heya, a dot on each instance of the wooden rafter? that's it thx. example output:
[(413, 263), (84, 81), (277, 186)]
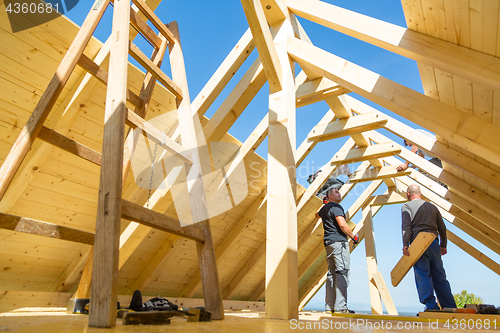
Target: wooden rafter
[(264, 42), (457, 60), (460, 127)]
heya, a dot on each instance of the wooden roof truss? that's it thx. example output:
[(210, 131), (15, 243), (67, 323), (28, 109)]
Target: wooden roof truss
[(282, 258)]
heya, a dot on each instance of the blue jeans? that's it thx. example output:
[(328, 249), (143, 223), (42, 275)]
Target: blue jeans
[(337, 279), (430, 277)]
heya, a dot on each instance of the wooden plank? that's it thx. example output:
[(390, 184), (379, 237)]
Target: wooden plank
[(364, 154), (19, 150), (146, 10), (199, 210), (388, 199), (433, 316), (102, 75), (34, 227), (454, 59), (160, 138), (416, 249), (344, 127), (71, 146), (143, 27), (371, 260), (223, 74), (275, 11), (318, 90), (83, 290), (281, 235), (134, 212), (463, 129), (384, 293), (105, 269), (141, 58), (436, 148), (264, 43), (378, 173), (479, 256)]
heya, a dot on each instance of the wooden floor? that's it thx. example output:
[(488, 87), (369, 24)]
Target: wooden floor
[(56, 320)]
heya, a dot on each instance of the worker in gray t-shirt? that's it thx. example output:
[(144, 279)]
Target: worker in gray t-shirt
[(421, 216)]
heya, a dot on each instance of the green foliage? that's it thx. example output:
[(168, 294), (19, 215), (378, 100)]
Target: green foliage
[(466, 298)]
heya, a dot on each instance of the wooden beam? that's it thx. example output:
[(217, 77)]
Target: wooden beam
[(30, 131), (318, 90), (105, 269), (197, 200), (388, 199), (457, 126), (371, 260), (457, 60), (479, 256), (35, 227), (445, 153), (143, 27), (416, 249), (223, 74), (379, 173), (134, 212), (281, 235), (363, 154), (344, 127), (160, 138), (144, 8), (275, 11), (141, 58), (378, 280), (69, 145), (102, 75), (479, 198), (264, 43)]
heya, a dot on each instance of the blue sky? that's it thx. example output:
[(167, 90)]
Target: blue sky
[(209, 30)]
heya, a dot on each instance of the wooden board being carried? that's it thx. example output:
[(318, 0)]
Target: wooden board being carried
[(416, 249)]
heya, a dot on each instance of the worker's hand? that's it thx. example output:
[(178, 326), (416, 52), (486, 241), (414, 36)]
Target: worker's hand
[(405, 251), (355, 240), (401, 167), (443, 251)]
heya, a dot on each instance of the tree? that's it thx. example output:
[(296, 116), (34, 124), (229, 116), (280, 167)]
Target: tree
[(466, 298)]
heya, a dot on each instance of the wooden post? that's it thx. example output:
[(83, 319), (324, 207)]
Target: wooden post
[(105, 271), (371, 260), (281, 254), (199, 210)]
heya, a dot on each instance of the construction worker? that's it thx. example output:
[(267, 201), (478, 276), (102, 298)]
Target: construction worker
[(419, 216), (333, 181), (337, 251), (416, 150)]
